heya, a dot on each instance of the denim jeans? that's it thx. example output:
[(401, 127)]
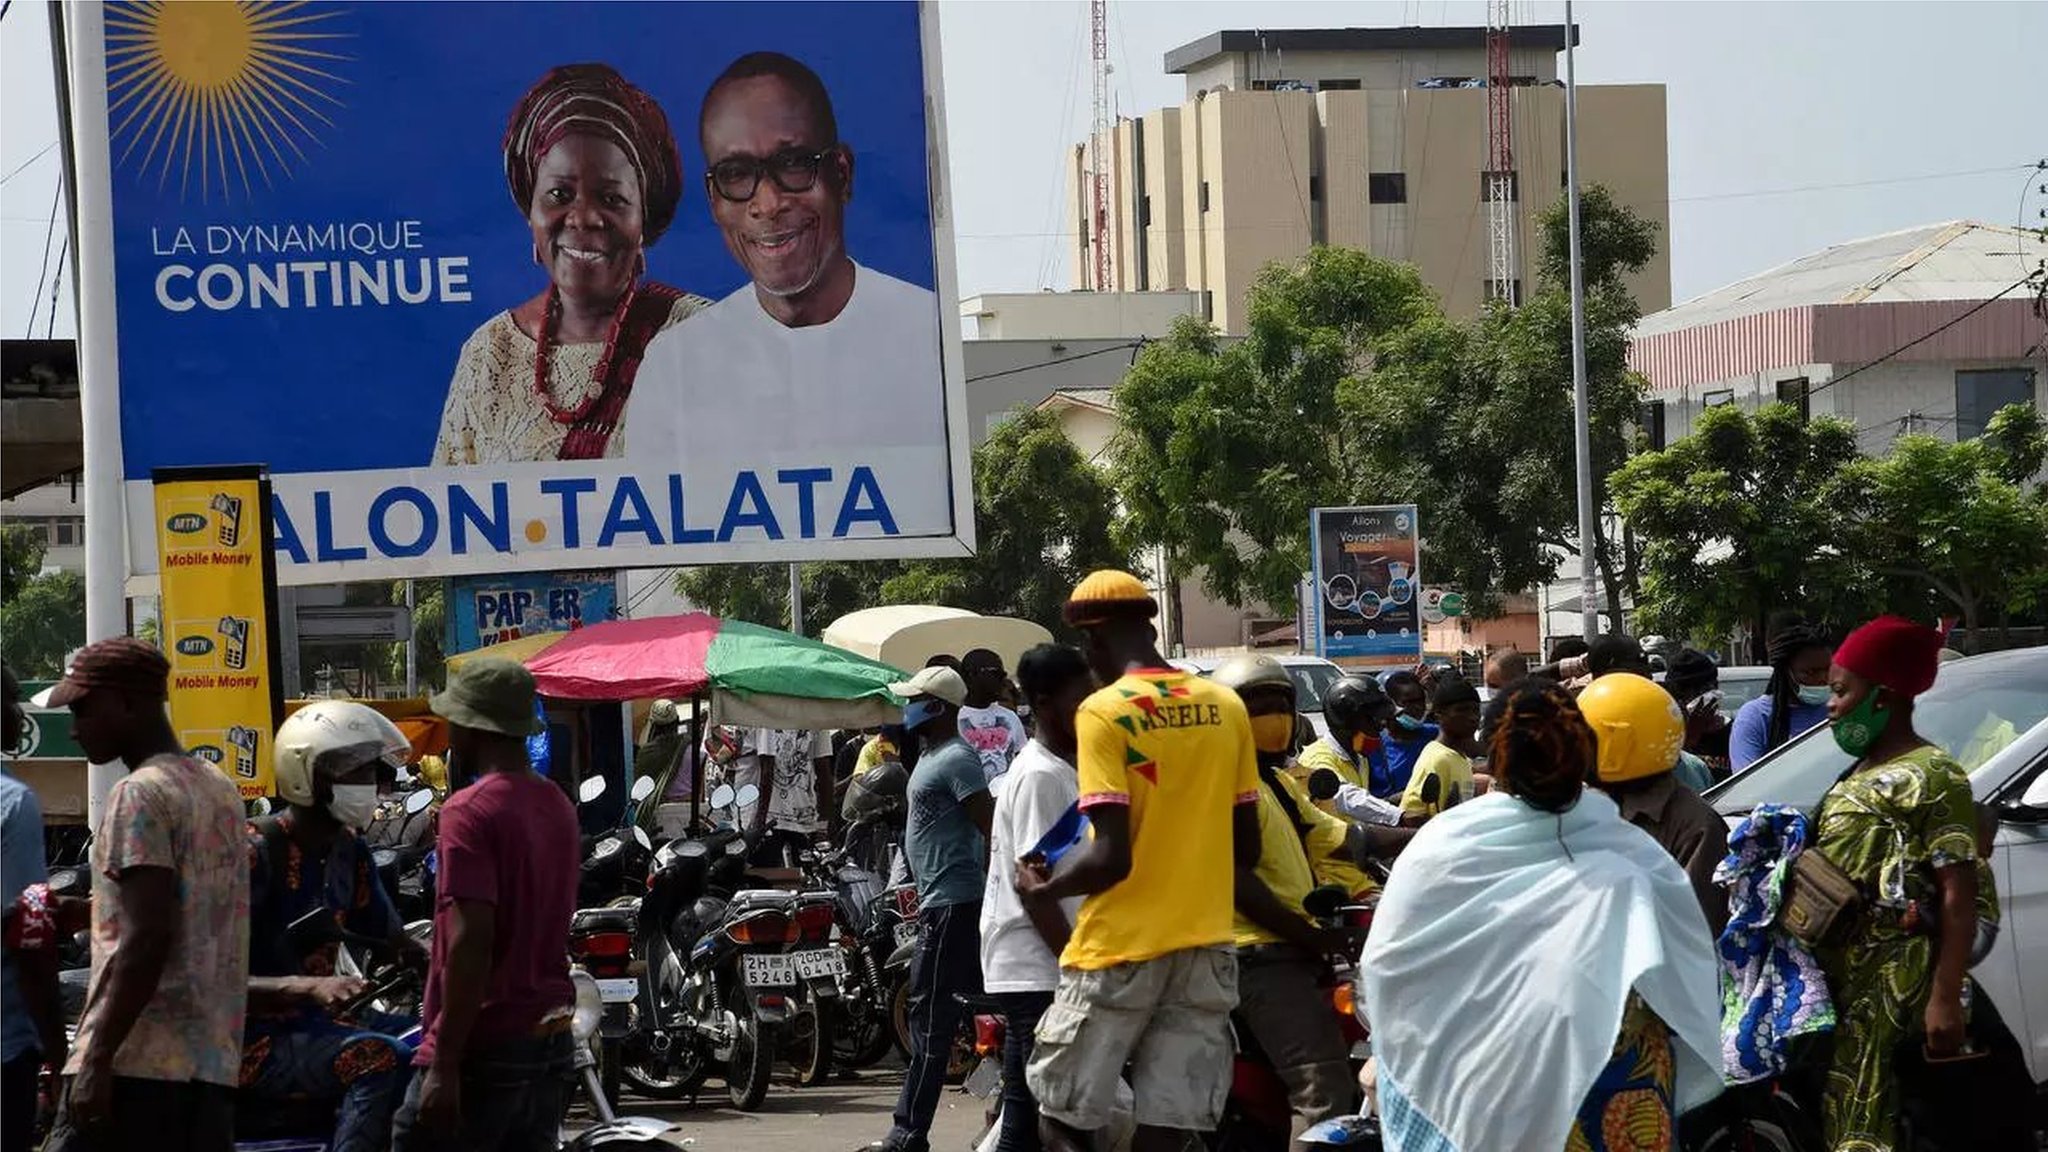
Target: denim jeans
[(948, 964), (513, 1096), (1021, 1011), (363, 1072)]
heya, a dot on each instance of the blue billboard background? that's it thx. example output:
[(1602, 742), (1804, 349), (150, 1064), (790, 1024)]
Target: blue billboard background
[(406, 124), (486, 610)]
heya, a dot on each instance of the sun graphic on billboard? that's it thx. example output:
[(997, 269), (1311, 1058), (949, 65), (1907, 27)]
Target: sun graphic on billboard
[(220, 95)]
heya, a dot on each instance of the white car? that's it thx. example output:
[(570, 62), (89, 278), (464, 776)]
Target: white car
[(1312, 676), (1990, 713)]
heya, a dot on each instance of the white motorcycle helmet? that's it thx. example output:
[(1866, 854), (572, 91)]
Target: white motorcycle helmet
[(334, 736)]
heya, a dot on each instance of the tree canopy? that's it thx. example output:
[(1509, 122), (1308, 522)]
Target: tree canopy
[(42, 614)]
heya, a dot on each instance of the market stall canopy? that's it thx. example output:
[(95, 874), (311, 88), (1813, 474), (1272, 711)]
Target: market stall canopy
[(907, 635), (754, 676), (518, 651)]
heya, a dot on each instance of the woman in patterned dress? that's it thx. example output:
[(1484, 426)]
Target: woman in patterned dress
[(593, 167), (1903, 825)]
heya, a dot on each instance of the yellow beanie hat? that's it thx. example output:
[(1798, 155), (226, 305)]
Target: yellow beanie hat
[(1108, 594)]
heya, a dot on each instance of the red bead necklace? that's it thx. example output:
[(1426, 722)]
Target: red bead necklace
[(544, 346)]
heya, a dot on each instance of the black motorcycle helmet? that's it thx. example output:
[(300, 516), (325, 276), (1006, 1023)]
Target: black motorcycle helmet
[(1355, 704)]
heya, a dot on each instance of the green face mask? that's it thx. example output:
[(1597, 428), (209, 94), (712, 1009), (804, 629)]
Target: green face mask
[(1857, 731)]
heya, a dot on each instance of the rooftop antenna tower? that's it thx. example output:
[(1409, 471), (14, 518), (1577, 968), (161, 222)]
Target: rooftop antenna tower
[(1101, 142), (1500, 158)]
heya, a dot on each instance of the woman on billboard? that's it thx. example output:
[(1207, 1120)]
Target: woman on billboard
[(593, 165)]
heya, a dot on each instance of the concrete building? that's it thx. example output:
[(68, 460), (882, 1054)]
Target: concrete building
[(1928, 330), (1371, 138), (1023, 347), (56, 514)]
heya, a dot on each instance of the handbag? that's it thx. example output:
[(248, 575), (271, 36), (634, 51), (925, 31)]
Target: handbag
[(1822, 904)]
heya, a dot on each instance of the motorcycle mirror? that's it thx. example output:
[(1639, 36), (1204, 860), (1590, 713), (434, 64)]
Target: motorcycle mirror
[(260, 806), (721, 796), (418, 800), (591, 788), (643, 787), (736, 847), (747, 795), (640, 838), (1323, 784)]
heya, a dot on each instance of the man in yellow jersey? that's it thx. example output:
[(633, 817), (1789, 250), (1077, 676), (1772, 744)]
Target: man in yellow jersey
[(1443, 773), (1281, 955), (1169, 782)]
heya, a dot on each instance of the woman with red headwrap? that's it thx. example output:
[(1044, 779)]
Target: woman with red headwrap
[(1902, 824), (593, 167)]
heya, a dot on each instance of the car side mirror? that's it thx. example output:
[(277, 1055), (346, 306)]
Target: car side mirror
[(1323, 784), (2030, 807)]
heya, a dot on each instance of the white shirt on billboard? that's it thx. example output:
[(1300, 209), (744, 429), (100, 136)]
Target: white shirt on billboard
[(733, 384)]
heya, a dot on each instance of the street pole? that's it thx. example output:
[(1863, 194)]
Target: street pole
[(78, 44), (796, 600), (1582, 428), (412, 646)]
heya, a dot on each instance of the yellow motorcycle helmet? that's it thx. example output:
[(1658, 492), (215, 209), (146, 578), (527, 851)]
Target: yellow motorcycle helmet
[(1640, 729)]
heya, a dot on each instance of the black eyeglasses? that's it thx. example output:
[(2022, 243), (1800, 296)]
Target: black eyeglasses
[(792, 170)]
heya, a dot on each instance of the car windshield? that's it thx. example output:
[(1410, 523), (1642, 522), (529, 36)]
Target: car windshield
[(1975, 708), (1740, 688), (1310, 682)]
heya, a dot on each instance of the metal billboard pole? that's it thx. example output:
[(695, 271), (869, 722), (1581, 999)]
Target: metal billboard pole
[(1582, 429)]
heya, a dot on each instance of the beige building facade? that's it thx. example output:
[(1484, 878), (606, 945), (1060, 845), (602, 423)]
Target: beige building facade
[(1371, 138)]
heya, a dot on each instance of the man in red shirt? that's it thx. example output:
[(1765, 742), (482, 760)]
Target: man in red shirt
[(496, 1056)]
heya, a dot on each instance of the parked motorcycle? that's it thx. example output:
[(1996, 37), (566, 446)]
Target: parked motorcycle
[(866, 917), (624, 1133), (615, 860)]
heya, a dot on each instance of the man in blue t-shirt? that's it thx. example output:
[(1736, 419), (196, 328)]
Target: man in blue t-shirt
[(1408, 735), (950, 811)]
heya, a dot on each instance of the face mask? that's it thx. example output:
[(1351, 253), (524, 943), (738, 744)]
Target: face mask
[(1812, 695), (354, 805), (1857, 731), (1363, 744), (1273, 733), (1407, 723)]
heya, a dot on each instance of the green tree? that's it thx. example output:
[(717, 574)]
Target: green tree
[(1955, 529), (42, 614), (1737, 521), (1045, 518), (1353, 387)]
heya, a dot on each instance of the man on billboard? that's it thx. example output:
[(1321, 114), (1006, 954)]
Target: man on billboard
[(817, 351)]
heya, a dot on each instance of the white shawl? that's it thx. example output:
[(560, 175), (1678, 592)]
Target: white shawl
[(1498, 967)]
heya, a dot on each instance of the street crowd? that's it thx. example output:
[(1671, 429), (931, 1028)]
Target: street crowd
[(1567, 949)]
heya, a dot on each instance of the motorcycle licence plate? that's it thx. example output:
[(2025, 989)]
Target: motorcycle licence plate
[(619, 991), (762, 970), (906, 934), (818, 965)]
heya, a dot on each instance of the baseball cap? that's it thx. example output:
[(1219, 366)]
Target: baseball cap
[(123, 664), (940, 683), (490, 695)]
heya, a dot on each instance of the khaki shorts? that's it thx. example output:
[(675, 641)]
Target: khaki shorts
[(1168, 1018)]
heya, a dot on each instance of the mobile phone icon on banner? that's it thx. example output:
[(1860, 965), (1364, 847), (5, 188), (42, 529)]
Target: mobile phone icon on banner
[(227, 519), (243, 740), (235, 631)]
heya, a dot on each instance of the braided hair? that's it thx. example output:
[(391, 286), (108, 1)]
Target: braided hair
[(1543, 749), (1790, 636)]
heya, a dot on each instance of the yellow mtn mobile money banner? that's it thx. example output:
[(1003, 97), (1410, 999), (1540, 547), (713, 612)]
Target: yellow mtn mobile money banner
[(219, 588)]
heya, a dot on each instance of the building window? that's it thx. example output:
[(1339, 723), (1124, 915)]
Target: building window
[(1510, 291), (67, 533), (1651, 421), (1981, 393), (1341, 85), (1144, 211), (1717, 398), (1486, 187), (1794, 392), (1203, 198), (1387, 187), (1315, 188)]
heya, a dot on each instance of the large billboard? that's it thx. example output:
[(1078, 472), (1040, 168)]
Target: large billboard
[(503, 287), (1368, 583)]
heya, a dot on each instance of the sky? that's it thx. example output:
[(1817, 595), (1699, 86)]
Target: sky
[(1792, 126)]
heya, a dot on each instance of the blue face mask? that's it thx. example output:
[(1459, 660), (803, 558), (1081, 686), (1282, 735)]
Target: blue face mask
[(1813, 695), (1407, 723)]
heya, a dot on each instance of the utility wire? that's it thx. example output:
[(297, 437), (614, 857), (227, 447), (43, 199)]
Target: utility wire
[(1124, 347), (1917, 340), (46, 150), (49, 233)]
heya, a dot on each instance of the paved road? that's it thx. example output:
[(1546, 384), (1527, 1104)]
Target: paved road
[(841, 1115)]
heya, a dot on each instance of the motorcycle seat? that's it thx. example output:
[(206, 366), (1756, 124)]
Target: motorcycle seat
[(750, 899), (599, 919)]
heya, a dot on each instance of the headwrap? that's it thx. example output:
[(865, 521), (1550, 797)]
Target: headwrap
[(1895, 652), (595, 100)]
